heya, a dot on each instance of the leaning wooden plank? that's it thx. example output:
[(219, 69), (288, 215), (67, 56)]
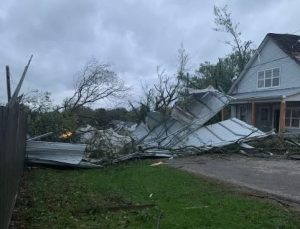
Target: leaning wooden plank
[(8, 83), (16, 93)]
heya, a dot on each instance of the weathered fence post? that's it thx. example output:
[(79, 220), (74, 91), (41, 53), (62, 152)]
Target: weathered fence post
[(12, 155)]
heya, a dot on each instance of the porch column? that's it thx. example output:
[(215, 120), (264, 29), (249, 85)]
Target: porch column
[(222, 114), (282, 116), (253, 114)]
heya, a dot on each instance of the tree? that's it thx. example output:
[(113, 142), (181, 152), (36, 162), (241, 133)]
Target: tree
[(54, 121), (165, 91), (43, 117), (96, 82), (221, 74), (242, 49), (168, 88), (37, 101)]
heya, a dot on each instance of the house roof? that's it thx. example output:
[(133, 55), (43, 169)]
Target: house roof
[(265, 95), (288, 43)]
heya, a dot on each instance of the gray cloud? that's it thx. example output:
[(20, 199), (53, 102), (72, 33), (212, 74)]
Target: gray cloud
[(134, 36)]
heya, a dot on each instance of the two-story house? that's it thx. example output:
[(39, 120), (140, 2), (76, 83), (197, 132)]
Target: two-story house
[(267, 92)]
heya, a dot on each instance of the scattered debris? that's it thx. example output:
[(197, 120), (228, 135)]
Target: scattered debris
[(55, 153), (40, 136), (246, 146), (195, 207), (157, 163), (181, 132), (294, 156), (184, 131), (122, 127), (139, 155), (105, 144)]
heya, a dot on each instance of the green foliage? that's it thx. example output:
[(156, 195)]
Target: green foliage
[(98, 199), (37, 101), (222, 74), (104, 117), (57, 122), (219, 75), (43, 118)]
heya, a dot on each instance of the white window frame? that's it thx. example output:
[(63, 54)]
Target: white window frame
[(272, 77), (290, 118)]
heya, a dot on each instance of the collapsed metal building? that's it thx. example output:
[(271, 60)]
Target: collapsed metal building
[(184, 130), (185, 127)]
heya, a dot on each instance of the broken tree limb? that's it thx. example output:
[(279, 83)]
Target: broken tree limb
[(39, 136), (16, 93)]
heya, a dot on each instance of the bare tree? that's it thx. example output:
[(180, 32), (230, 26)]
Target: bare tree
[(162, 95), (96, 82), (165, 91)]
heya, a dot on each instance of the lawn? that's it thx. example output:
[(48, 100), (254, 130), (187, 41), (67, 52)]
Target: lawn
[(136, 195)]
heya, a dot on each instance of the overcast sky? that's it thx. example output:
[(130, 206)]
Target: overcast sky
[(134, 36)]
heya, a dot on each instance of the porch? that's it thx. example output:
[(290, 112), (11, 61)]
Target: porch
[(281, 116)]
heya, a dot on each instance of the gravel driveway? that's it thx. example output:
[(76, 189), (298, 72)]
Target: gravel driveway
[(280, 178)]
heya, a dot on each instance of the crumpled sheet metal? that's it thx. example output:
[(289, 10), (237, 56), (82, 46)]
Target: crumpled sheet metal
[(221, 134), (55, 153), (206, 104), (216, 135), (185, 128), (171, 130)]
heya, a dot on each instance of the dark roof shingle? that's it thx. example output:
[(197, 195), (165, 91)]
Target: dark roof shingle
[(289, 43)]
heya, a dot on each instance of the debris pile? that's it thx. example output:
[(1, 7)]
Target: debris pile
[(102, 143), (183, 131)]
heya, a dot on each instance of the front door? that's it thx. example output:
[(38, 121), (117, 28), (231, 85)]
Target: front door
[(276, 119)]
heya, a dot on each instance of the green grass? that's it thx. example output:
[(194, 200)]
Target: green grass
[(88, 199)]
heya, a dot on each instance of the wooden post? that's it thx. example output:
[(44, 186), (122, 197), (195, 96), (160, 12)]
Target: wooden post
[(8, 83), (282, 116), (18, 88), (222, 114), (253, 114)]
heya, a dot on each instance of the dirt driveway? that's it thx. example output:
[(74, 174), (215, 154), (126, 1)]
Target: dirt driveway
[(280, 178)]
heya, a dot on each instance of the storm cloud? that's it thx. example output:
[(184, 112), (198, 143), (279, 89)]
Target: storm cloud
[(134, 36)]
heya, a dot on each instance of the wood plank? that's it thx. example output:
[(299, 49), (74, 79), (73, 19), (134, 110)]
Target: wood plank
[(282, 116), (253, 114)]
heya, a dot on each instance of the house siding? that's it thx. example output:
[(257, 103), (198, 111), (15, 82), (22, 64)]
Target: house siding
[(271, 56)]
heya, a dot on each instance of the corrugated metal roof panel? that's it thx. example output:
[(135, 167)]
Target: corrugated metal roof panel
[(222, 133), (206, 104), (55, 152)]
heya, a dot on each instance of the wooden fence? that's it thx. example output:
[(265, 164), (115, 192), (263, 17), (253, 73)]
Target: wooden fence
[(12, 154)]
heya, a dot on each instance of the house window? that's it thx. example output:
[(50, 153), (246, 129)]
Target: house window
[(268, 78), (292, 118)]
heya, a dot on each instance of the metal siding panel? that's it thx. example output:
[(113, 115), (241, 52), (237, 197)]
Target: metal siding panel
[(67, 153)]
